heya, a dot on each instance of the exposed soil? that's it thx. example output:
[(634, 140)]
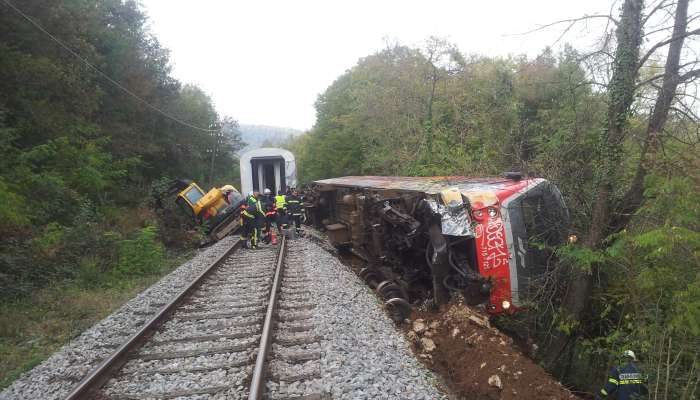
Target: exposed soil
[(476, 360)]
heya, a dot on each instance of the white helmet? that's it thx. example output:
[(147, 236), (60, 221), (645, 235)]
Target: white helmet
[(267, 191), (630, 354), (227, 188), (250, 193)]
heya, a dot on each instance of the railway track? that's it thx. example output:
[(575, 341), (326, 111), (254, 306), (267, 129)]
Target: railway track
[(241, 330)]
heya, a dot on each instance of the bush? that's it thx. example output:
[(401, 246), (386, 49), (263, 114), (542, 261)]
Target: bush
[(142, 255)]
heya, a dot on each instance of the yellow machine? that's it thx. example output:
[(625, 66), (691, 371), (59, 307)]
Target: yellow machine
[(212, 209)]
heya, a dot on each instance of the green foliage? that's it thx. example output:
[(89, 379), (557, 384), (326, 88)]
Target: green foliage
[(485, 116), (78, 152), (12, 213), (141, 255), (651, 275), (580, 257)]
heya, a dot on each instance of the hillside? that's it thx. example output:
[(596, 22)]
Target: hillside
[(255, 136)]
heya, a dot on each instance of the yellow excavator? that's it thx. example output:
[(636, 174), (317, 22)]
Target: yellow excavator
[(217, 210)]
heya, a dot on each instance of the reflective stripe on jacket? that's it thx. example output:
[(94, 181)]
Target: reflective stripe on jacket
[(626, 382), (294, 205)]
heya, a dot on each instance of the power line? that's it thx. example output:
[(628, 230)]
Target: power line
[(112, 81)]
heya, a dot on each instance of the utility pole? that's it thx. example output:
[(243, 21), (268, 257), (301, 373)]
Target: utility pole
[(215, 149)]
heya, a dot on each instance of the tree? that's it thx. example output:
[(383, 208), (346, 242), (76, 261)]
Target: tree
[(609, 214)]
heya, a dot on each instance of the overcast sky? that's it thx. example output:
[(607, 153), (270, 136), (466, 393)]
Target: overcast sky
[(265, 62)]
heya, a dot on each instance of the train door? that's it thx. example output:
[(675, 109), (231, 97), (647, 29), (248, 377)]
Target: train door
[(268, 173)]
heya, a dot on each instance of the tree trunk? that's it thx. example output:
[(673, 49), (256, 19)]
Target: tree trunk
[(635, 195), (609, 152)]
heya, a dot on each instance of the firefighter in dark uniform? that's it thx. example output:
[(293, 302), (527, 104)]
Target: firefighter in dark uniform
[(294, 209), (626, 382), (259, 213), (268, 203), (249, 232)]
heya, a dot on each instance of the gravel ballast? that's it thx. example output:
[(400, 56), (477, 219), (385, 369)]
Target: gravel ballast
[(54, 378), (363, 354)]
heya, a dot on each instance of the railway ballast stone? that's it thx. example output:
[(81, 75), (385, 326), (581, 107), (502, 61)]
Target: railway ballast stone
[(364, 356), (54, 378)]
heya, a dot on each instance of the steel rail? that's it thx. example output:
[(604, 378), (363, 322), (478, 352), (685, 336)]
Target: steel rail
[(119, 357), (257, 383)]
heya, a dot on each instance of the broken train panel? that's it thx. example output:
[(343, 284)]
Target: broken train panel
[(489, 238)]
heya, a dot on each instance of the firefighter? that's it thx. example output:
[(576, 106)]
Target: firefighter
[(248, 210), (259, 213), (268, 203), (625, 381), (294, 209), (281, 204)]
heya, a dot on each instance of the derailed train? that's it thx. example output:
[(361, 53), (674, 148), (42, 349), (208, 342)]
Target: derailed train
[(489, 238)]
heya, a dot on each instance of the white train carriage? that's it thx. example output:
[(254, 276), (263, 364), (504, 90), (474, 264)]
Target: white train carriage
[(267, 167)]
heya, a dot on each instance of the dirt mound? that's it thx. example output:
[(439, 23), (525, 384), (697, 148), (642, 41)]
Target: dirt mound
[(476, 360)]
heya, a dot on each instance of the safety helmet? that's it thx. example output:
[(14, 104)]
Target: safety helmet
[(267, 191), (250, 193), (630, 354), (227, 188)]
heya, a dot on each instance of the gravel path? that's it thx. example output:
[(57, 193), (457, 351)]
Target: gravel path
[(363, 355), (54, 378)]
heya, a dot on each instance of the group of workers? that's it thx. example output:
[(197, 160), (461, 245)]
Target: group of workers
[(261, 211)]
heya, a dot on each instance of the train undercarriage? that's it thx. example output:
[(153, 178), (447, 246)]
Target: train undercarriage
[(433, 237)]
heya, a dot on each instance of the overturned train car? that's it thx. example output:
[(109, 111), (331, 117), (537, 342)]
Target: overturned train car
[(488, 238)]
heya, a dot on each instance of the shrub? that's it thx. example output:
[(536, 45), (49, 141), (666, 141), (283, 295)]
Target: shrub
[(142, 255)]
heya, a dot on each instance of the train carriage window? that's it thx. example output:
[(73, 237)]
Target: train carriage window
[(543, 224), (542, 221)]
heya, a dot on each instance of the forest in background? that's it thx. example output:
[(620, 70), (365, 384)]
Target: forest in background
[(81, 158), (616, 129)]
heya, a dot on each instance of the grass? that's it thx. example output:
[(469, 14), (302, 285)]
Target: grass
[(32, 329)]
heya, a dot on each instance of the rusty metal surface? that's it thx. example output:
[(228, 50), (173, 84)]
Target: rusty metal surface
[(426, 184)]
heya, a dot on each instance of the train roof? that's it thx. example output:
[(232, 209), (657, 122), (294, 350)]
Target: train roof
[(429, 184)]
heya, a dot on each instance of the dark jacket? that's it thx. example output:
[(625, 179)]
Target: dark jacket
[(268, 203), (626, 382), (294, 204)]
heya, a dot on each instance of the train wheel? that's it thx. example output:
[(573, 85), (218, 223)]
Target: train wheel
[(390, 290), (398, 309), (370, 277)]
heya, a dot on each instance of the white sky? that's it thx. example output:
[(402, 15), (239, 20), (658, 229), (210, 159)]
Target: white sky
[(265, 62)]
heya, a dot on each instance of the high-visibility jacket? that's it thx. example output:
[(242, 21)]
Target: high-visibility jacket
[(255, 206), (281, 202), (626, 382), (248, 208)]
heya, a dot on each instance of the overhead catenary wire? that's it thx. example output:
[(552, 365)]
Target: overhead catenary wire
[(104, 75)]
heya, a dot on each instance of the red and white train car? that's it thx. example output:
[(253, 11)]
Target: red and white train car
[(494, 235)]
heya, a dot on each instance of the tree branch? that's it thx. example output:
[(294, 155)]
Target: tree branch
[(655, 47), (690, 75), (565, 21), (659, 6)]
